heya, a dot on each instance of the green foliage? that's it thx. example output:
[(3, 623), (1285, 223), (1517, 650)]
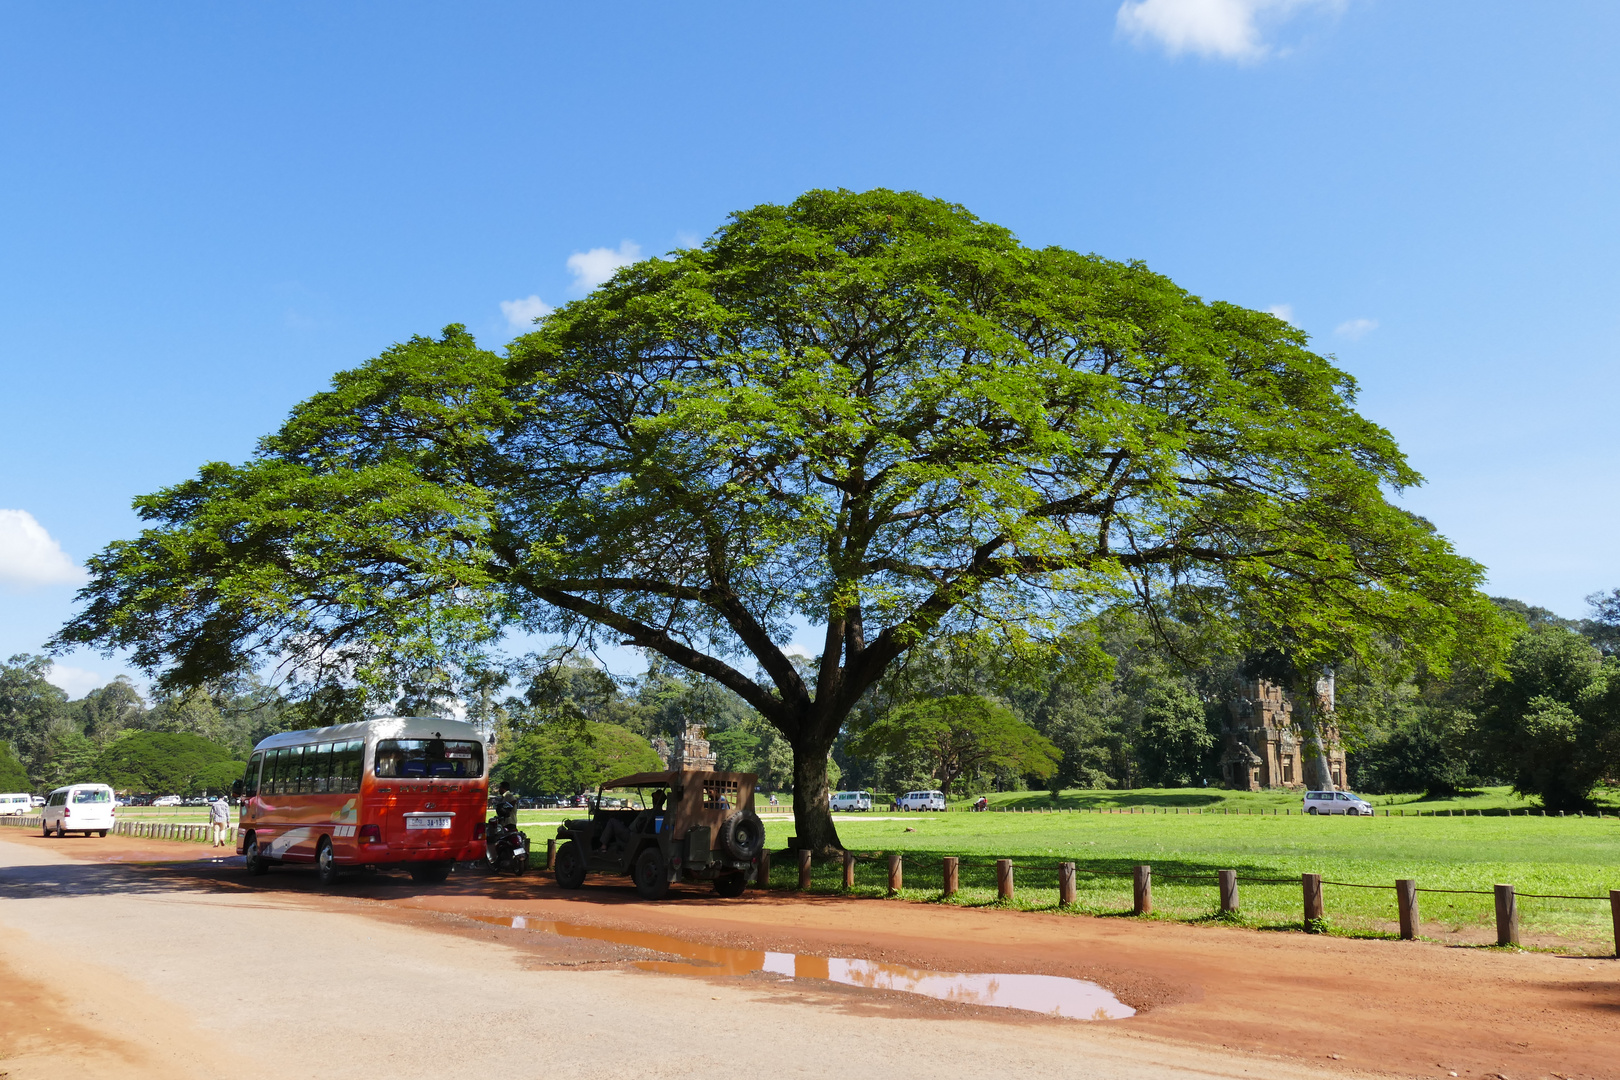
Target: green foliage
[(572, 758), (1431, 753), (174, 763), (871, 412), (1552, 725), (13, 777), (1174, 739), (958, 736)]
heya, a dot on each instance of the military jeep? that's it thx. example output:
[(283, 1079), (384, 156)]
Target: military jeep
[(706, 831)]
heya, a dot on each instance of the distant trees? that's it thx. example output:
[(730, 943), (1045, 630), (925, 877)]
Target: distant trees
[(959, 735), (572, 758), (13, 777), (169, 762)]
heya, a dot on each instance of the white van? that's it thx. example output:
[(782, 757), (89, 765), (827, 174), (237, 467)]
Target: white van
[(851, 800), (922, 800), (1337, 802), (85, 808), (16, 804)]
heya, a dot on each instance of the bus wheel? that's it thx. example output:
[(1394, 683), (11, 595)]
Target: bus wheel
[(253, 858), (571, 865), (326, 867), (103, 832), (430, 873)]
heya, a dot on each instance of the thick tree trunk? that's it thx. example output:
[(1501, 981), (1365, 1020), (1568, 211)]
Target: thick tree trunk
[(812, 812)]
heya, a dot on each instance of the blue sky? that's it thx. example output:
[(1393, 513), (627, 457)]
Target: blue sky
[(205, 210)]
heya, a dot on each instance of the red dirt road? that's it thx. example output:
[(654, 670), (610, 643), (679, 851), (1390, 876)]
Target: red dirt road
[(1405, 1008)]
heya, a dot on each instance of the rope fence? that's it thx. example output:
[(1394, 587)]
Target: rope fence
[(1313, 908)]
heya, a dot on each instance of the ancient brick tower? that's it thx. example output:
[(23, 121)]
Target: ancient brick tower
[(692, 751), (1262, 747)]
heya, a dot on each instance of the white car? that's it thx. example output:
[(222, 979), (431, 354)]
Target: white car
[(851, 800), (922, 800), (167, 800), (85, 808), (1336, 802), (16, 804)]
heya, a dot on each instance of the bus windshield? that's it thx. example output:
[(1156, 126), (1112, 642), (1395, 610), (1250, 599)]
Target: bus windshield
[(406, 758)]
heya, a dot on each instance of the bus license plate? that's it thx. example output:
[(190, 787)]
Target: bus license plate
[(427, 823)]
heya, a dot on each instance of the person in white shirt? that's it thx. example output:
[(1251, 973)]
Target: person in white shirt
[(219, 816)]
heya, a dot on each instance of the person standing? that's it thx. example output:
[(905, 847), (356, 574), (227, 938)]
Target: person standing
[(219, 816)]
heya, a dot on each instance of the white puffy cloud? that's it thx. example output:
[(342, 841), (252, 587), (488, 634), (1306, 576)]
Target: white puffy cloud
[(1225, 29), (1356, 329), (591, 268), (1285, 312), (30, 556), (522, 313), (76, 681)]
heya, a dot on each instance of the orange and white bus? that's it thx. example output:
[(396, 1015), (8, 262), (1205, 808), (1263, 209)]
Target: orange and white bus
[(409, 790)]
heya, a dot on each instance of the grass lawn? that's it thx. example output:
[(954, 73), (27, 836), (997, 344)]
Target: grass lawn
[(1576, 856)]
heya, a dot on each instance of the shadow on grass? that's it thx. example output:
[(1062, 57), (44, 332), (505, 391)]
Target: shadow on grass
[(1107, 800)]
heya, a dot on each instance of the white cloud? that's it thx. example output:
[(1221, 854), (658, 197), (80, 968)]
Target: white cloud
[(1285, 312), (76, 681), (30, 556), (1356, 329), (522, 313), (1226, 29), (688, 239), (591, 268)]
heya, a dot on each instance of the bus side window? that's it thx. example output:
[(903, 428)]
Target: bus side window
[(321, 768), (292, 782), (268, 782), (250, 782), (352, 761)]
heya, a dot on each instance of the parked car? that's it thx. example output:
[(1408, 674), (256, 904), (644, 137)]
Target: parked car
[(1337, 802), (167, 800), (16, 804), (39, 800), (85, 808), (921, 800), (851, 800)]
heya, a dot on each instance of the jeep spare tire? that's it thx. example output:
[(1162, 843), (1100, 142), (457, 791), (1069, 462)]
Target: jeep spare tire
[(742, 835)]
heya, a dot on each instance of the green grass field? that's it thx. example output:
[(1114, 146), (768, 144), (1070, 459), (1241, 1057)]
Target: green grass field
[(1572, 856)]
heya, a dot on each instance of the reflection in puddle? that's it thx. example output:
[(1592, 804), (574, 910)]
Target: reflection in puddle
[(1075, 999)]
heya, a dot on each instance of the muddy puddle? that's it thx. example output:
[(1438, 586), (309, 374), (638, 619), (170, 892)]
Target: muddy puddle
[(1050, 995)]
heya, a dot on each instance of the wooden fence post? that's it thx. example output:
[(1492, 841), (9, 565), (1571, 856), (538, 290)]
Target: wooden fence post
[(849, 870), (1229, 893), (805, 855), (1066, 886), (1406, 899), (763, 879), (1004, 879), (1143, 891), (896, 873), (551, 854), (951, 883), (1507, 916), (1312, 884), (1614, 910)]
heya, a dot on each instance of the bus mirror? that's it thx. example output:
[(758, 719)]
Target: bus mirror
[(236, 790)]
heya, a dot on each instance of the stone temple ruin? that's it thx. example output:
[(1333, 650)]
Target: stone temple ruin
[(1262, 745), (689, 752)]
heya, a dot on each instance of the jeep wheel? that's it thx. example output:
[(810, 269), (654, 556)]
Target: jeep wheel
[(652, 882), (729, 885), (570, 865)]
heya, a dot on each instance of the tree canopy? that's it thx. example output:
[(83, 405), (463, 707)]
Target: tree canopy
[(167, 762), (572, 758), (959, 735), (871, 411)]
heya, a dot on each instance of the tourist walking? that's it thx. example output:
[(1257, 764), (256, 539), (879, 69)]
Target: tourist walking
[(219, 816)]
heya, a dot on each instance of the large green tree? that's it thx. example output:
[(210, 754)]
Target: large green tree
[(173, 763), (570, 758), (872, 412), (957, 736)]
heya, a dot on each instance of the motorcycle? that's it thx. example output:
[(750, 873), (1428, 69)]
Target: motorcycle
[(505, 848)]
